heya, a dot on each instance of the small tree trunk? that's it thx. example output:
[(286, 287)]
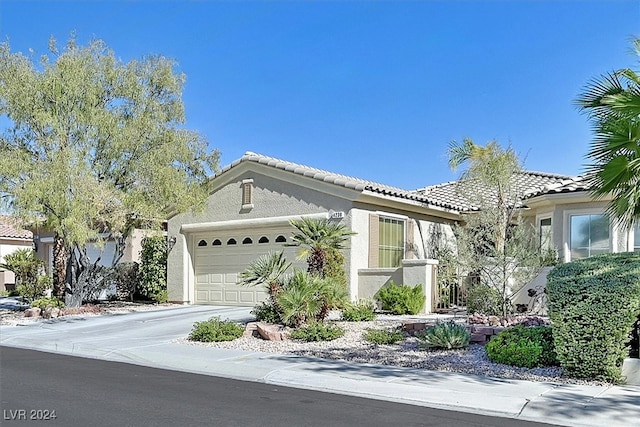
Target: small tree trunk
[(59, 266)]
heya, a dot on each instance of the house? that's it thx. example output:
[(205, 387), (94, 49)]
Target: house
[(12, 238), (43, 241), (254, 198)]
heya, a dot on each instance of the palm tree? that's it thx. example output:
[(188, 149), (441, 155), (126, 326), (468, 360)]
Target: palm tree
[(319, 238), (612, 103), (268, 271)]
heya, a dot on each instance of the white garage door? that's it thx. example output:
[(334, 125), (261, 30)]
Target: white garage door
[(221, 256)]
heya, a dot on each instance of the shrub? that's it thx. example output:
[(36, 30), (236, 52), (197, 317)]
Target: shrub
[(447, 336), (161, 296), (214, 330), (43, 303), (266, 312), (526, 347), (399, 299), (153, 266), (362, 311), (34, 288), (383, 336), (593, 303), (484, 299), (125, 276), (317, 331), (299, 300)]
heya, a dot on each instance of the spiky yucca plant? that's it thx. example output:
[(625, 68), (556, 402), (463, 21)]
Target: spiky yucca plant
[(447, 336)]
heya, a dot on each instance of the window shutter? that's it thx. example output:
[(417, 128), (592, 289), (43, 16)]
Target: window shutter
[(247, 193), (374, 240), (409, 253)]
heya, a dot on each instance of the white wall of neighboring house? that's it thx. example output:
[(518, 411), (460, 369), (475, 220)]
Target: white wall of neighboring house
[(9, 246)]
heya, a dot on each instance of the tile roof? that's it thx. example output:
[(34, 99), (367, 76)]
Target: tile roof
[(10, 228), (337, 179), (571, 185), (527, 183), (447, 195)]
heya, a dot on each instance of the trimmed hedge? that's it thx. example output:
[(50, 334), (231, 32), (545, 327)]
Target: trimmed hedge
[(527, 347), (593, 303)]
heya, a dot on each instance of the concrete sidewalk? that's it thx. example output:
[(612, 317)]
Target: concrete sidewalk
[(145, 338)]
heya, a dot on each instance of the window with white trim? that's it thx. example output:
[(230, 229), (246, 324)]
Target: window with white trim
[(589, 235), (390, 242)]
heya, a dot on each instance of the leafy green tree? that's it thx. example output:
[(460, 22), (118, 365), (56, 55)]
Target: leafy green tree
[(93, 147), (612, 103), (495, 244)]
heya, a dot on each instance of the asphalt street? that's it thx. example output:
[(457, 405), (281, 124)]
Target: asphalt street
[(37, 386)]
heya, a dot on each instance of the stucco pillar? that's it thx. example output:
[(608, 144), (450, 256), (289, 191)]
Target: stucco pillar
[(422, 272)]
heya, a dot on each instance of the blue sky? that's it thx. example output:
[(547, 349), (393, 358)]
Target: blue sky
[(375, 90)]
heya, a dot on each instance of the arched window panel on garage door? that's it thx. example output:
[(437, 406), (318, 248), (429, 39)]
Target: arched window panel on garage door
[(232, 241), (247, 241), (202, 243), (263, 239), (216, 242)]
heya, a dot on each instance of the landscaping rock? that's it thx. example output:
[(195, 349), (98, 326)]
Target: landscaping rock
[(251, 330), (51, 312), (32, 312), (270, 332)]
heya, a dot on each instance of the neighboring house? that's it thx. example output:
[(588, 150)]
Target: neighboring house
[(43, 240), (12, 238), (254, 198)]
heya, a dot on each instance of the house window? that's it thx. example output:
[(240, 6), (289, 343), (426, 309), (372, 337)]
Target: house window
[(390, 242), (545, 232), (636, 237), (247, 194), (589, 235)]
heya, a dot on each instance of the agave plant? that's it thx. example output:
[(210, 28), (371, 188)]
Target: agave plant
[(445, 335)]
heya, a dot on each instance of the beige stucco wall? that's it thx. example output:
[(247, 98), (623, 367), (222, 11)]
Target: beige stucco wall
[(273, 197)]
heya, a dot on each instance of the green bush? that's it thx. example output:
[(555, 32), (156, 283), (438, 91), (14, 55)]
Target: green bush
[(447, 336), (317, 331), (399, 299), (35, 288), (125, 276), (526, 347), (266, 312), (161, 296), (484, 299), (362, 311), (593, 304), (43, 303), (383, 336), (153, 266), (214, 330)]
